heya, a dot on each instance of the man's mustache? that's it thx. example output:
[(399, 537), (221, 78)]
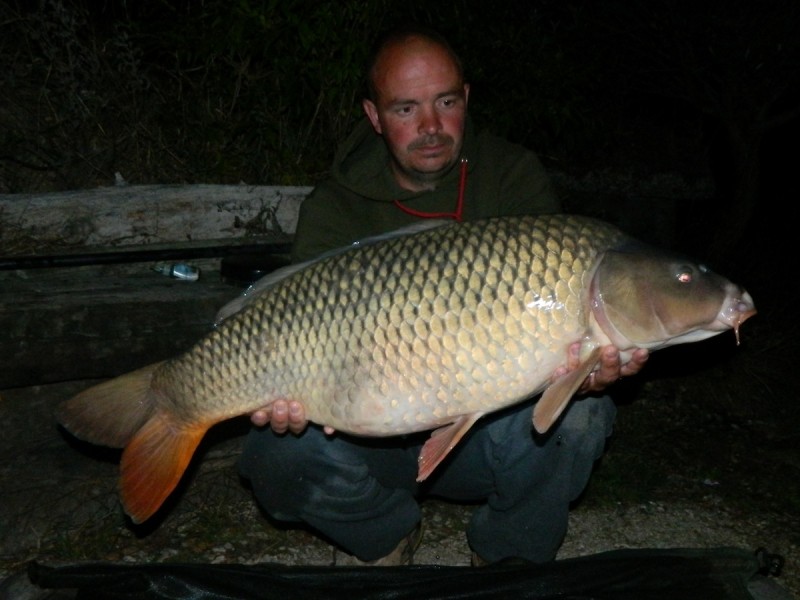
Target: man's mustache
[(439, 139)]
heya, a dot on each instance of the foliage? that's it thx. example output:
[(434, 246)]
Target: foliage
[(260, 91), (263, 91), (63, 92)]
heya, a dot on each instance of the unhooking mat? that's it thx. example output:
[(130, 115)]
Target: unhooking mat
[(669, 574)]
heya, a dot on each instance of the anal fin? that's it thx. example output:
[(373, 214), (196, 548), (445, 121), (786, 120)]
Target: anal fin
[(441, 442)]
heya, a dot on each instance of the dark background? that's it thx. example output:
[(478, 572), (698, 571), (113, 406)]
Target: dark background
[(675, 119), (262, 92)]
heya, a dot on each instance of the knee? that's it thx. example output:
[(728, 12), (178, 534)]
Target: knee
[(276, 467), (590, 417), (280, 455)]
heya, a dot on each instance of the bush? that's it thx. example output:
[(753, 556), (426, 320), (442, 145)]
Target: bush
[(254, 91)]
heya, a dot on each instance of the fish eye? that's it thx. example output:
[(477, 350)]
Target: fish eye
[(685, 274)]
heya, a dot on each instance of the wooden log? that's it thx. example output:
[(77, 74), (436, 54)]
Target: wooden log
[(149, 214), (115, 313)]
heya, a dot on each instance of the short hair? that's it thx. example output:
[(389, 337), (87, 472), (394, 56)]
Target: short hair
[(397, 36)]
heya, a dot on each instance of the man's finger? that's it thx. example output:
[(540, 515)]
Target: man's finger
[(637, 361), (260, 417), (297, 417)]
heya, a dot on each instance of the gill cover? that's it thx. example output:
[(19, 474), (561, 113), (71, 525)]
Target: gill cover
[(647, 298)]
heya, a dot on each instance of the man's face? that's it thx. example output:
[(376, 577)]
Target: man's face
[(420, 109)]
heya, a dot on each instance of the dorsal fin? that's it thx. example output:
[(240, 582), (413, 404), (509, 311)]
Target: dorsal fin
[(271, 279)]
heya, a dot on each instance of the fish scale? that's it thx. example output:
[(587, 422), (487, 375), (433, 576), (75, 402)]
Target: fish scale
[(409, 332)]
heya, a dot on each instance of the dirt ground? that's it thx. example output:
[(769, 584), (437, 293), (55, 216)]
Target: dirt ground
[(655, 488)]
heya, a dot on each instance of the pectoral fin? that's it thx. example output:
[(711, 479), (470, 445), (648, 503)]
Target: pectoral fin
[(441, 442), (556, 397)]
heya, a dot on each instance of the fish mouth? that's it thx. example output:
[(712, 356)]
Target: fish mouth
[(738, 308)]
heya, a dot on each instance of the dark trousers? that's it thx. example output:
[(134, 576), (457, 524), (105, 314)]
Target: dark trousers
[(362, 493)]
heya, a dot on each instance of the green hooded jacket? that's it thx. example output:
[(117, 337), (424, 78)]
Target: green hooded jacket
[(358, 200)]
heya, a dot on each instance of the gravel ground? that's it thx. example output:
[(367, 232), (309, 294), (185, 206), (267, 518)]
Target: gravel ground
[(59, 501)]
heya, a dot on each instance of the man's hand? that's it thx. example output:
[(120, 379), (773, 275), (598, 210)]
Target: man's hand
[(610, 369), (283, 416)]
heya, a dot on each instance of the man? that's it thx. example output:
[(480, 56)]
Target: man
[(416, 156)]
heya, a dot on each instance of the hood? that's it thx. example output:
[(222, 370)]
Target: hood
[(360, 165)]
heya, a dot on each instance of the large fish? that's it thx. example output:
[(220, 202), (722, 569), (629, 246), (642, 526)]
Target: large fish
[(420, 331)]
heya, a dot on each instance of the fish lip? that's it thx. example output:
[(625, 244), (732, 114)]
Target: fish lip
[(737, 309)]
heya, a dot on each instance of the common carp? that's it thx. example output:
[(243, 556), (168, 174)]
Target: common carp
[(412, 332)]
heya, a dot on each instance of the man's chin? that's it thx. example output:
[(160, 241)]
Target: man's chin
[(425, 173)]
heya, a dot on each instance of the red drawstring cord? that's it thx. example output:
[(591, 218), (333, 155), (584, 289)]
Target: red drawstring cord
[(459, 212)]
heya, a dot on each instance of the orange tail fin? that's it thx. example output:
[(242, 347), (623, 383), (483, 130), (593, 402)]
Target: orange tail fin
[(123, 413), (153, 463)]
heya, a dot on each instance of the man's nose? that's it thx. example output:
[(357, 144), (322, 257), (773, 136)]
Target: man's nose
[(430, 122)]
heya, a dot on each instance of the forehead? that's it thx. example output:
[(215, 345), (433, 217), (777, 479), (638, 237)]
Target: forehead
[(415, 66)]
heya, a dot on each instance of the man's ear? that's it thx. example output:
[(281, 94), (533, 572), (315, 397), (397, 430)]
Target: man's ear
[(372, 114), (466, 94)]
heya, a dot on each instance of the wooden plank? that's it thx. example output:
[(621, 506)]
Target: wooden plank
[(148, 214), (173, 251)]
